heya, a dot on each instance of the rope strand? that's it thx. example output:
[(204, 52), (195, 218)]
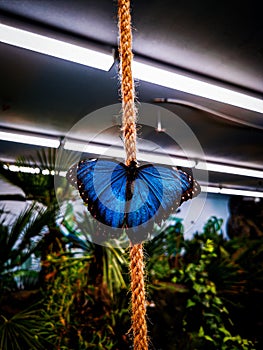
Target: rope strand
[(127, 83), (139, 325)]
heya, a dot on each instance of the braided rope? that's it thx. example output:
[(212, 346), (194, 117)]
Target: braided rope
[(127, 84), (139, 325)]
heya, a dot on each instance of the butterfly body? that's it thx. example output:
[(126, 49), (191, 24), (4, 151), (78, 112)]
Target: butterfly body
[(131, 196), (131, 173)]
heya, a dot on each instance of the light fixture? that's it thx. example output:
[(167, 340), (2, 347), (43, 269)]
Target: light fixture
[(56, 48), (165, 159), (229, 169), (118, 152), (29, 139), (207, 189), (115, 151), (183, 83), (28, 169), (93, 148), (231, 191)]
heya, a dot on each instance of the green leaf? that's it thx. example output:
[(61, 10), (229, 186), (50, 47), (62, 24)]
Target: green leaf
[(190, 303), (207, 337), (201, 332)]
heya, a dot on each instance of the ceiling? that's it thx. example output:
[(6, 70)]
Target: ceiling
[(220, 42)]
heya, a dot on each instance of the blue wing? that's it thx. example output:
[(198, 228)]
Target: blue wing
[(158, 190), (102, 185), (146, 198)]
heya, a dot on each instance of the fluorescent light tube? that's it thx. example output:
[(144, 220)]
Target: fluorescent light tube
[(29, 139), (152, 157), (208, 189), (101, 150), (183, 83), (227, 169), (28, 170), (23, 169), (56, 48), (118, 152), (231, 191)]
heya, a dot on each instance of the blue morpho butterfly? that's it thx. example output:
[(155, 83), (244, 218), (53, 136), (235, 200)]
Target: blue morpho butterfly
[(131, 197)]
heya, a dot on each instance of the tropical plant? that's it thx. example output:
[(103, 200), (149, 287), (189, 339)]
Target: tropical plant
[(22, 331), (181, 275), (37, 186), (214, 329), (196, 287), (96, 275), (80, 311), (19, 240)]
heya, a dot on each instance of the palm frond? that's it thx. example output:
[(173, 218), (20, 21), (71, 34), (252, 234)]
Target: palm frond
[(36, 186), (24, 236), (22, 331)]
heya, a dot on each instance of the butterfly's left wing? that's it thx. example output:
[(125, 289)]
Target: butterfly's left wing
[(159, 190), (102, 186)]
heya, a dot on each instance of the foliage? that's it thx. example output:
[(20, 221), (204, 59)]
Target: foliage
[(86, 287), (79, 291), (162, 249), (19, 240), (22, 331), (214, 329), (186, 285), (108, 261), (198, 289), (79, 313), (25, 236), (37, 187)]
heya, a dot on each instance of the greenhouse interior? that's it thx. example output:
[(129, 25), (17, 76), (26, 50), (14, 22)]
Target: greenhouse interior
[(131, 175)]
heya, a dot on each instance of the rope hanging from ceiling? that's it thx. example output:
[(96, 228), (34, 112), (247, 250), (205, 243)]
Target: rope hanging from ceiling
[(102, 182), (129, 113)]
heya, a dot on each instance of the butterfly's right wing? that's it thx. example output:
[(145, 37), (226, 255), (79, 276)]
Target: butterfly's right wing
[(158, 191)]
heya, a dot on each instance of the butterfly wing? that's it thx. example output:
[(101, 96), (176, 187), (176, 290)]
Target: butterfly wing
[(146, 198), (158, 190), (102, 185), (190, 187)]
